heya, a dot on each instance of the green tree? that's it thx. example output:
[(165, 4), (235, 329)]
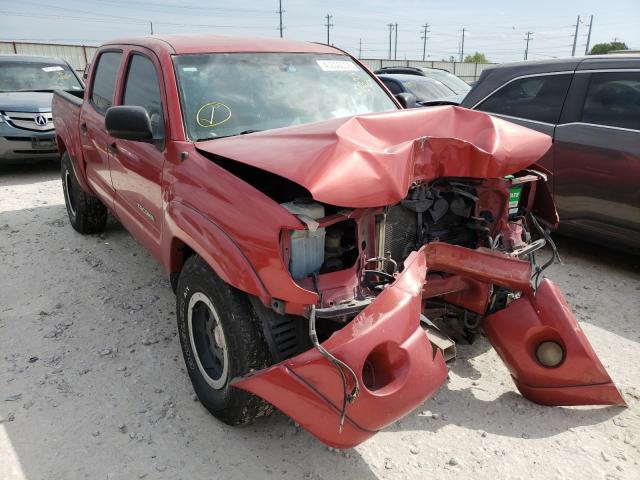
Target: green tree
[(476, 58), (601, 48)]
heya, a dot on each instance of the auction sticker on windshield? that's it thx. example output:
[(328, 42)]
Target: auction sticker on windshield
[(337, 66)]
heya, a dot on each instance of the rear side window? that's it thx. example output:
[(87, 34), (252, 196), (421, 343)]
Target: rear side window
[(537, 98), (613, 99), (104, 80), (142, 89)]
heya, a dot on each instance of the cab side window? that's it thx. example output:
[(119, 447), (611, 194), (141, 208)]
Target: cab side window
[(613, 99), (104, 80), (538, 98), (143, 89)]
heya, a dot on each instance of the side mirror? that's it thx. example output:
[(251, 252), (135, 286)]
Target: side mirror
[(407, 100), (129, 122), (85, 72)]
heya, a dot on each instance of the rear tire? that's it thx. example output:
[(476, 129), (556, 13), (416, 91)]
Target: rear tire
[(86, 213), (221, 339)]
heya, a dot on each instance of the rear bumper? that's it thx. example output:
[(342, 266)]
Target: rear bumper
[(387, 349)]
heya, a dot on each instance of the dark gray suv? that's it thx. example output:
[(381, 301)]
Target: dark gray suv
[(591, 108)]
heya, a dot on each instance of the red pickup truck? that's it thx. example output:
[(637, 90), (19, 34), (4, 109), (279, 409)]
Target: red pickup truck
[(324, 244)]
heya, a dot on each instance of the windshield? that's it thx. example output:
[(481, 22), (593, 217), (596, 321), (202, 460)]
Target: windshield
[(16, 77), (427, 88), (450, 80), (227, 94)]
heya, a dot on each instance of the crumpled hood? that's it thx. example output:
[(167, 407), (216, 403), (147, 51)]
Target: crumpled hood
[(371, 160), (25, 101)]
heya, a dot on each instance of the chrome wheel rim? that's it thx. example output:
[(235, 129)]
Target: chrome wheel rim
[(207, 339)]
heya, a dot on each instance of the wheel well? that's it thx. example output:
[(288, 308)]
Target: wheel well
[(61, 146), (180, 252)]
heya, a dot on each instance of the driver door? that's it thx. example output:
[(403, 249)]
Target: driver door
[(136, 167)]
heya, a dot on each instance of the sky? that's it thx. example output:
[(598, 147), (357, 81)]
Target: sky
[(497, 28)]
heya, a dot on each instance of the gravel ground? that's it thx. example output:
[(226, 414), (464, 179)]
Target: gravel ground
[(92, 382)]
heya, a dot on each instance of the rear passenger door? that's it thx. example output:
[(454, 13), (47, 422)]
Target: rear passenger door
[(93, 135), (534, 101), (597, 155)]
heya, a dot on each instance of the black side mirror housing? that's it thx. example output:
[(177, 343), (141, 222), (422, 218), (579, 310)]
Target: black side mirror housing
[(85, 72), (129, 122), (407, 100)]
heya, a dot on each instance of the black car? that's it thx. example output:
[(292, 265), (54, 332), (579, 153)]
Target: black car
[(425, 90), (591, 108), (459, 86)]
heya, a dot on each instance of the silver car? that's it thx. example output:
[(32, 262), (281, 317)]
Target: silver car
[(26, 86)]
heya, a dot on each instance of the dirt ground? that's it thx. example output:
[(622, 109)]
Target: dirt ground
[(92, 382)]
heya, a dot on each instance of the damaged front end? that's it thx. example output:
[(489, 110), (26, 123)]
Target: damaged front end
[(452, 251)]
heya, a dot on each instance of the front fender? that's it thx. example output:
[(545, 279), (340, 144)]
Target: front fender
[(189, 226)]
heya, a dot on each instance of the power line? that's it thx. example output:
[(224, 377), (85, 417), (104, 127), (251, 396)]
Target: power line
[(586, 49), (280, 12), (526, 49), (424, 39), (328, 25), (575, 37), (395, 50)]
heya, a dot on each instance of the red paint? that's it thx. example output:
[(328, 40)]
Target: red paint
[(309, 390), (515, 333), (371, 160)]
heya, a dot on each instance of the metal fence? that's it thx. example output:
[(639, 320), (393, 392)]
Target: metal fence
[(79, 55), (469, 72)]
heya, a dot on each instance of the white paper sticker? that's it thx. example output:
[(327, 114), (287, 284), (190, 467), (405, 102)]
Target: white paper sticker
[(189, 69), (337, 65), (56, 68)]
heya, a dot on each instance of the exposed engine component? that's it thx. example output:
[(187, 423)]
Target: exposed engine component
[(306, 255), (441, 211)]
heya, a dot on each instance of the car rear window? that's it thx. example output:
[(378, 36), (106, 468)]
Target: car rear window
[(538, 98), (104, 80), (613, 99)]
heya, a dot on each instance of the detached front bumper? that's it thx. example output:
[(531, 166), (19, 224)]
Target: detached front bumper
[(398, 369), (396, 366)]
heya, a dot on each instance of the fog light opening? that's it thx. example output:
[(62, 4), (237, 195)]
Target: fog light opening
[(550, 354)]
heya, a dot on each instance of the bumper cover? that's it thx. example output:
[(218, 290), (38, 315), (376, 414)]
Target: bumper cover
[(389, 352), (398, 369)]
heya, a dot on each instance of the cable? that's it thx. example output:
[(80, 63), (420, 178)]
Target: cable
[(339, 364)]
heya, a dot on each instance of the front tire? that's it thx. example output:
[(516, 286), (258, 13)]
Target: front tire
[(221, 339), (86, 213)]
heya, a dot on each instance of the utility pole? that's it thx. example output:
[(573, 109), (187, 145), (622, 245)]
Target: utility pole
[(526, 50), (462, 46), (328, 25), (151, 26), (395, 50), (424, 40), (280, 12), (575, 38), (360, 49), (390, 25), (586, 49)]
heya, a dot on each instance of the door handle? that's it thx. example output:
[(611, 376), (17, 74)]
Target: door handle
[(113, 148), (83, 127)]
